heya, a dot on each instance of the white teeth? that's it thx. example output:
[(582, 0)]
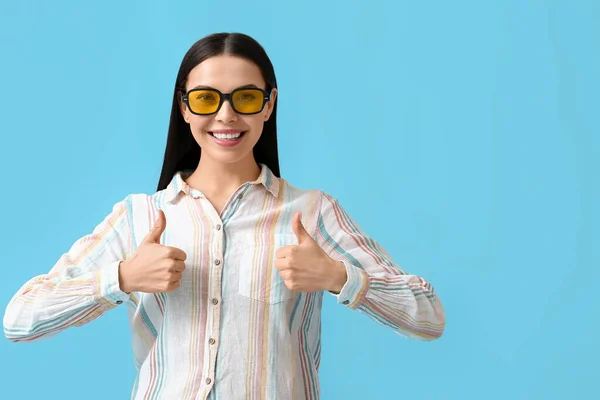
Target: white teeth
[(227, 136)]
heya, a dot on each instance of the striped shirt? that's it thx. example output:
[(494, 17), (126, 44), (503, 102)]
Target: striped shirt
[(232, 330)]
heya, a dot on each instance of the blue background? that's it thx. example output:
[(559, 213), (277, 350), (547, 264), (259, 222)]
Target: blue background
[(461, 135)]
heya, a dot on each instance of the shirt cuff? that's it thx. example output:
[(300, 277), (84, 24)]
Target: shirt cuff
[(355, 289), (110, 294)]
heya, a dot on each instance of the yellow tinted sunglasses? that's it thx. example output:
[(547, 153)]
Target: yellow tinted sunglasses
[(209, 101)]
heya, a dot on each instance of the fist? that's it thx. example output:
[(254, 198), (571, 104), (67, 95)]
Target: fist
[(306, 267), (153, 268)]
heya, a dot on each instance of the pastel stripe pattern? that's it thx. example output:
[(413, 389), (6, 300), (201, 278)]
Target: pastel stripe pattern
[(232, 330)]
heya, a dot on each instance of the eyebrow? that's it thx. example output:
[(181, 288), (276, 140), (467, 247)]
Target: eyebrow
[(249, 86)]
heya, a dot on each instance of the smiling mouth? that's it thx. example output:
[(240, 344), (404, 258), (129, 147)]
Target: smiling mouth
[(227, 136)]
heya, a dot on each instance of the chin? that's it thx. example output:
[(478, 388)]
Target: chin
[(227, 157)]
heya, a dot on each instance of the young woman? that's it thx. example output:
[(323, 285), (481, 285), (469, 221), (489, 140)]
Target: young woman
[(223, 269)]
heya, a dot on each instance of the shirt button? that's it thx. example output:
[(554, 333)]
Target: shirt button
[(215, 301), (346, 302), (217, 262), (218, 227), (119, 301), (211, 341), (208, 381), (240, 196)]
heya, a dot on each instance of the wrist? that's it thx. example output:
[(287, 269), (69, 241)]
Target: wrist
[(123, 281), (340, 276)]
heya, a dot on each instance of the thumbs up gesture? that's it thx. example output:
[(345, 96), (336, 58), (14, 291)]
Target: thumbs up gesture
[(153, 268), (306, 267)]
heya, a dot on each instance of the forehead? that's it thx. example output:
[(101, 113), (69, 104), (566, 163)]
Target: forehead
[(225, 73)]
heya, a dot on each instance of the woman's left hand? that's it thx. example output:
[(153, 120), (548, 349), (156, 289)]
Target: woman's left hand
[(306, 267)]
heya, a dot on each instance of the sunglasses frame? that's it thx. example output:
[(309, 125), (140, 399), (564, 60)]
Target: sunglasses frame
[(226, 97)]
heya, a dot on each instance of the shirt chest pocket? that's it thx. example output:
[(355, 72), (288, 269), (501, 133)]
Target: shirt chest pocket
[(259, 279)]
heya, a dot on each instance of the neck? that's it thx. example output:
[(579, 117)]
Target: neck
[(213, 177)]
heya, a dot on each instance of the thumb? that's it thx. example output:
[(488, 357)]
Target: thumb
[(158, 229), (299, 229)]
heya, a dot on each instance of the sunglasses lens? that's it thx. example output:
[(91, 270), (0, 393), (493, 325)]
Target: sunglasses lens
[(203, 101), (248, 101)]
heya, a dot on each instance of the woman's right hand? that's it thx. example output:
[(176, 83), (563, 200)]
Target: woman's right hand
[(153, 268)]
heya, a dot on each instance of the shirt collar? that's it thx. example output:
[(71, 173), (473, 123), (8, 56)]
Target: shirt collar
[(178, 185)]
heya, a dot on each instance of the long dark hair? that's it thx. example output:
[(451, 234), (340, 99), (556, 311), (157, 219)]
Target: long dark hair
[(182, 151)]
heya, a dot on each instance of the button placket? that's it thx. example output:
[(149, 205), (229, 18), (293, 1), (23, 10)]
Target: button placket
[(214, 295), (215, 310)]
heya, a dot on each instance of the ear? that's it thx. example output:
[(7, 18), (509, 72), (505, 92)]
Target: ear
[(271, 104), (182, 107)]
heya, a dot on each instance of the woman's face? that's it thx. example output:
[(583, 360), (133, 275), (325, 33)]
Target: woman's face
[(227, 136)]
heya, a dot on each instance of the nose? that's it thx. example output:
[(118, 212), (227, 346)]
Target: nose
[(226, 113)]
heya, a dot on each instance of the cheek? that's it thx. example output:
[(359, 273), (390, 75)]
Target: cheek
[(198, 124), (256, 123)]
